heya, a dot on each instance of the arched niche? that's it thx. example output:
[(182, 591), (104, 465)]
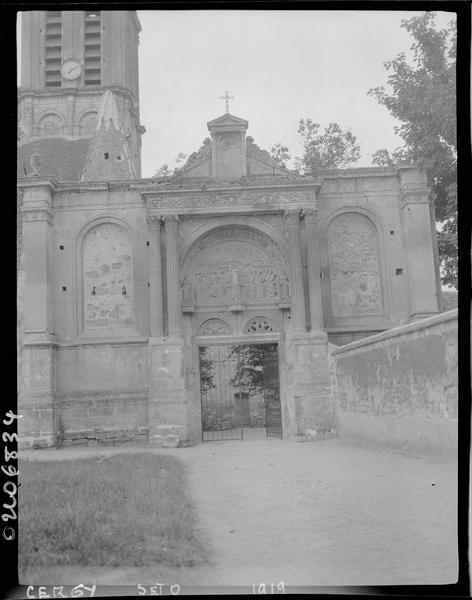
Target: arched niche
[(354, 266), (51, 124), (233, 264), (88, 123), (105, 277)]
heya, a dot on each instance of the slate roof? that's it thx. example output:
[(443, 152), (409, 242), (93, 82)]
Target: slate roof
[(62, 158)]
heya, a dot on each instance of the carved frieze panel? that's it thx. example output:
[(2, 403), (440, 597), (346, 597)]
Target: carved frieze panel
[(235, 265), (223, 199), (354, 266)]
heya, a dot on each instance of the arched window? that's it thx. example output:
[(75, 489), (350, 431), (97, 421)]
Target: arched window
[(51, 124), (354, 266), (108, 293), (88, 123)]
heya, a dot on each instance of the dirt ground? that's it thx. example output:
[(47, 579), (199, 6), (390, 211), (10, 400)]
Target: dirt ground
[(321, 513)]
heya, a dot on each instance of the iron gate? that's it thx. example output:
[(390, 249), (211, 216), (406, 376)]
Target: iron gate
[(239, 387), (271, 390)]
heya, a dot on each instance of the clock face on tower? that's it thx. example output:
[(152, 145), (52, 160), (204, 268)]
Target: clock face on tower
[(71, 70)]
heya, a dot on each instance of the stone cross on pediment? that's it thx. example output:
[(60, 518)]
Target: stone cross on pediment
[(227, 98)]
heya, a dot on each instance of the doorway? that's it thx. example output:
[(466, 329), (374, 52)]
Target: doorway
[(240, 391)]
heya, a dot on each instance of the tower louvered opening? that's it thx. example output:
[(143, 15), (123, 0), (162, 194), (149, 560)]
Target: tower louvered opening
[(53, 50), (93, 48)]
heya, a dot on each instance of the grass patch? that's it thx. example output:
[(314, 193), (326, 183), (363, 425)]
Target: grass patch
[(124, 510)]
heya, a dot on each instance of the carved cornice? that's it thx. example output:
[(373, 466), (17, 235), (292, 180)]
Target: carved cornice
[(414, 196), (38, 181)]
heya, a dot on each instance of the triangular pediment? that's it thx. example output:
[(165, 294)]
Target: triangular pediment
[(227, 119)]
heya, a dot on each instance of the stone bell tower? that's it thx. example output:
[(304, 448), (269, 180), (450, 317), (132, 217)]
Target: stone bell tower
[(69, 60)]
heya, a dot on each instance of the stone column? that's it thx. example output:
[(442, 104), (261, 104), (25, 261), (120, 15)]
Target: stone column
[(314, 269), (155, 277), (174, 296), (419, 243), (36, 399), (296, 277)]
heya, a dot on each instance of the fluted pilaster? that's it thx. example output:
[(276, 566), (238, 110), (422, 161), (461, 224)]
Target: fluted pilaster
[(296, 277), (155, 277), (174, 297), (314, 269)]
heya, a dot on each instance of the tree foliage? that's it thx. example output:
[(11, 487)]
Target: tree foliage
[(162, 171), (280, 154), (328, 149), (165, 171), (249, 369), (207, 371), (422, 98)]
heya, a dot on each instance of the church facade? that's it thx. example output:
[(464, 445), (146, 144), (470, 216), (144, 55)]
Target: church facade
[(202, 305)]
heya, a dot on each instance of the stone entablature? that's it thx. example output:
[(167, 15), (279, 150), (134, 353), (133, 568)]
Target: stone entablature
[(246, 199)]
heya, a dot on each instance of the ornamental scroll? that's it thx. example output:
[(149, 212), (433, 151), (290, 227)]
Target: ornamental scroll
[(235, 255)]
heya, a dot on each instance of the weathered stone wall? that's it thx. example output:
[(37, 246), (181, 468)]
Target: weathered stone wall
[(306, 390), (398, 389), (102, 393)]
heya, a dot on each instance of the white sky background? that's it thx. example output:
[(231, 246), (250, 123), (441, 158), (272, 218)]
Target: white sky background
[(279, 65)]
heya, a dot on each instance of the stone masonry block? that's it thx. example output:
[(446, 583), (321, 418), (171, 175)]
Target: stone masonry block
[(171, 441), (40, 443), (157, 440)]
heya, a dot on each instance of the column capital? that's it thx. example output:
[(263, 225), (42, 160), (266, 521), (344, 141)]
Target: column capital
[(153, 221), (292, 215), (171, 221), (311, 214)]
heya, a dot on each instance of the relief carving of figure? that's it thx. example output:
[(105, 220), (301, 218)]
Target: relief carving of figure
[(235, 265), (284, 290), (235, 288)]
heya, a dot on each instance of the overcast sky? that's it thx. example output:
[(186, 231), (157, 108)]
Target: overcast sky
[(279, 65)]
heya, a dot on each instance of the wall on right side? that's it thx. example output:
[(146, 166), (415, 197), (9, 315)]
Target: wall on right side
[(398, 390)]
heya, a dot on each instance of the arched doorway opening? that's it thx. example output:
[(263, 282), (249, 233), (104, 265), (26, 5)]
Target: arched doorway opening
[(235, 293), (240, 391)]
